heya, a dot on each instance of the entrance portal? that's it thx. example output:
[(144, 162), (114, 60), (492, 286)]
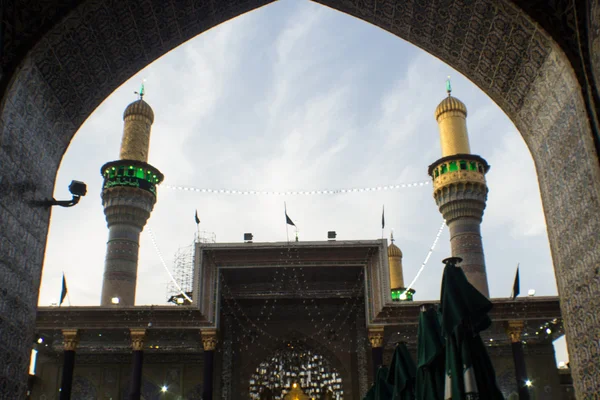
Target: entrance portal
[(298, 370)]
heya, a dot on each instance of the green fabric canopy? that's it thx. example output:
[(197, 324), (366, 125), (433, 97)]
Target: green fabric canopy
[(431, 357), (402, 374), (469, 371), (381, 389)]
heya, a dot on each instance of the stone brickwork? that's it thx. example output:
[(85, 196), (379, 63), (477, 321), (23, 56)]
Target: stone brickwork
[(126, 209), (56, 73)]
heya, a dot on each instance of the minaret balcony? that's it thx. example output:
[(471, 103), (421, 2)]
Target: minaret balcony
[(131, 173), (459, 168), (401, 294)]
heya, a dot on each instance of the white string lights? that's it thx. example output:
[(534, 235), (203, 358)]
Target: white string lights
[(296, 192), (162, 260), (437, 238)]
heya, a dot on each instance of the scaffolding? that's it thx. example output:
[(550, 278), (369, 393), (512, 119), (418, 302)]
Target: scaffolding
[(183, 270)]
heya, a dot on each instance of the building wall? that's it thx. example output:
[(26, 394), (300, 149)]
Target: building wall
[(541, 369), (108, 377)]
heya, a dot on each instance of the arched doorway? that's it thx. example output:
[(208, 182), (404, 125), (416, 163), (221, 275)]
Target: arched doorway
[(295, 366), (75, 62)]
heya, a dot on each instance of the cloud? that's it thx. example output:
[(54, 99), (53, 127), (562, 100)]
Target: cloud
[(517, 207), (295, 96)]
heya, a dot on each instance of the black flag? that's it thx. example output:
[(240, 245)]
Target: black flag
[(383, 218), (288, 220), (63, 292), (197, 219), (516, 286)]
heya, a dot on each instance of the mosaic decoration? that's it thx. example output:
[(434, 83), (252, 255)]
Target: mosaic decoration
[(70, 61), (296, 365), (83, 389), (195, 393)]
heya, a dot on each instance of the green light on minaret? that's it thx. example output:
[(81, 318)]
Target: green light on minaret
[(448, 86)]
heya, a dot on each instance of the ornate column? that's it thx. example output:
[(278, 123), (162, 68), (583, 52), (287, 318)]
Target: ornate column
[(514, 329), (361, 355), (227, 350), (376, 339), (137, 344), (70, 340), (209, 343)]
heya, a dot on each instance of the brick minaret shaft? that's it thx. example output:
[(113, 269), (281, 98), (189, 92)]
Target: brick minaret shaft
[(128, 197), (460, 189)]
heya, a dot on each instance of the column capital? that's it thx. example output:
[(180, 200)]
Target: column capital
[(376, 336), (70, 339), (137, 338), (514, 329), (209, 339)]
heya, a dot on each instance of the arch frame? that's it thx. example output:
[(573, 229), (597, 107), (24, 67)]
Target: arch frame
[(98, 45)]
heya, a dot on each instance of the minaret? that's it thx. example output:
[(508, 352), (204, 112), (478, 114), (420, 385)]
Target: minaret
[(399, 292), (128, 197), (460, 189)]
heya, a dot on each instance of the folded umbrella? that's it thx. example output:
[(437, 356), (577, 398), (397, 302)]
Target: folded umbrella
[(383, 390), (402, 374), (469, 371), (431, 361)]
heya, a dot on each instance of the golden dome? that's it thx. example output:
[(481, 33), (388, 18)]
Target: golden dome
[(394, 251), (450, 104), (139, 107)]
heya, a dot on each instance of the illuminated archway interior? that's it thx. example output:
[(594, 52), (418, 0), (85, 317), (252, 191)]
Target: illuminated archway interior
[(293, 366)]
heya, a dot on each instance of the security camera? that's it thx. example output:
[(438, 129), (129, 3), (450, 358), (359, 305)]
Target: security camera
[(77, 189)]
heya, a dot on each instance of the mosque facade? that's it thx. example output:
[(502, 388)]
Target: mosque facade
[(303, 319)]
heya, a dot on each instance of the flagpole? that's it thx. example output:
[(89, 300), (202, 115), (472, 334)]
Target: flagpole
[(197, 226), (382, 220), (287, 234)]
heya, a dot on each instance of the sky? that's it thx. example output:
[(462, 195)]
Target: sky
[(297, 96)]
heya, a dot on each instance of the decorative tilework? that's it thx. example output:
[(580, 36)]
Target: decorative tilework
[(64, 47)]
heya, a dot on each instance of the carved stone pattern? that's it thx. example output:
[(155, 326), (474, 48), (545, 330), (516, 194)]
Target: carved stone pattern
[(70, 339), (124, 205), (514, 329), (227, 368), (376, 337), (361, 356), (209, 340), (475, 177), (149, 358), (103, 43), (137, 339), (594, 40)]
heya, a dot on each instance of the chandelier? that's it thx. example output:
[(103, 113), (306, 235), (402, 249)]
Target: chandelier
[(291, 364)]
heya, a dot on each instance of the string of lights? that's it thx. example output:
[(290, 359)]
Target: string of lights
[(297, 192), (437, 238), (164, 264), (331, 332)]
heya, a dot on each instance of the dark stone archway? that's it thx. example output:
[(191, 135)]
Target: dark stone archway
[(61, 58)]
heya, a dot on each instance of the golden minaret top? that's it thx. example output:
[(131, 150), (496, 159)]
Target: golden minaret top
[(138, 118), (451, 116), (395, 264)]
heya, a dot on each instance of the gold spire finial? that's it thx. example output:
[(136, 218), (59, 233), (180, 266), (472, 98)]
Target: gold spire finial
[(392, 236), (448, 86), (142, 90)]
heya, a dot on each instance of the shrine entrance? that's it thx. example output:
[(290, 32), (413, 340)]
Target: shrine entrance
[(296, 372)]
